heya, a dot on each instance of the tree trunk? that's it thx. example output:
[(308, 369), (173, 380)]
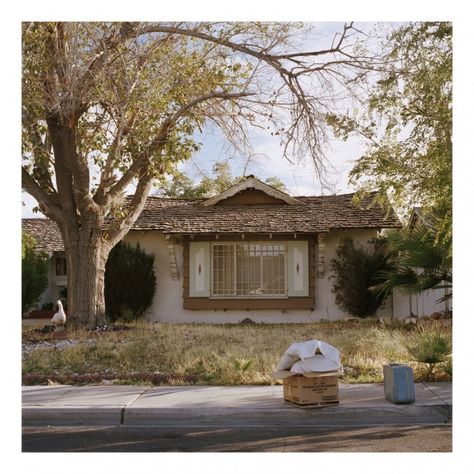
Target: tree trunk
[(86, 259)]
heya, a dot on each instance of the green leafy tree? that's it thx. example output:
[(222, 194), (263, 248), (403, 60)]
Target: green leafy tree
[(130, 282), (420, 261), (34, 272), (276, 183), (407, 122), (108, 107), (182, 186), (355, 269)]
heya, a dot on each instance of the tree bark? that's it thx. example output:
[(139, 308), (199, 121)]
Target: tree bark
[(87, 254)]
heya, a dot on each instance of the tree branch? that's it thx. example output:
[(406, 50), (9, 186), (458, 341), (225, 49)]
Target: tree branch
[(49, 204), (119, 187), (118, 229), (41, 159)]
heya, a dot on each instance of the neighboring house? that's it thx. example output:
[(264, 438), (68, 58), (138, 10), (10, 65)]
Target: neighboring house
[(420, 217), (48, 239), (249, 252)]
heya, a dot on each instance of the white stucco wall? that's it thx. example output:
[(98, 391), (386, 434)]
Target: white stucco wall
[(423, 304), (47, 295), (55, 283), (168, 304)]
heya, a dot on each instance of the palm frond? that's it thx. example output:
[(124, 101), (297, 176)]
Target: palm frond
[(431, 347), (421, 262)]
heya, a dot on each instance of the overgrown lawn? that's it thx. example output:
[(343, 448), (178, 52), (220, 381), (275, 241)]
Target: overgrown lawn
[(209, 354)]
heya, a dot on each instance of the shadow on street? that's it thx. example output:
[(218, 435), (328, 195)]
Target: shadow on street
[(238, 439)]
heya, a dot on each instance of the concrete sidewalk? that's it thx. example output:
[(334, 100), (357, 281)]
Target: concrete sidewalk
[(174, 406)]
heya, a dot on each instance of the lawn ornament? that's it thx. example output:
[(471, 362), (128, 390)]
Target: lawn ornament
[(59, 318)]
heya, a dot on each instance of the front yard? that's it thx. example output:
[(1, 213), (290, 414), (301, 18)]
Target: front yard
[(207, 354)]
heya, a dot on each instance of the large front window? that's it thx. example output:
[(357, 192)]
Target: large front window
[(249, 270)]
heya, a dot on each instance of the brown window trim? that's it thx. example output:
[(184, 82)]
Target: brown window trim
[(306, 302)]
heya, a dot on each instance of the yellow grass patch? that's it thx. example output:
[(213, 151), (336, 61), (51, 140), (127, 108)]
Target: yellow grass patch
[(214, 354)]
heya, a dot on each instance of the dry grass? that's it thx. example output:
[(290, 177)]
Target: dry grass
[(213, 354)]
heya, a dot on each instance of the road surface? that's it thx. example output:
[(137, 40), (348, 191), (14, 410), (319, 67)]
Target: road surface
[(431, 438)]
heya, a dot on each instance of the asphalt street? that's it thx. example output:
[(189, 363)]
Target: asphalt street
[(428, 438)]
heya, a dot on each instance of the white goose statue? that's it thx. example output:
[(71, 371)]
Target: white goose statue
[(59, 318)]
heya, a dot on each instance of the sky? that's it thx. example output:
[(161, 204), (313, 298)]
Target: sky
[(299, 178)]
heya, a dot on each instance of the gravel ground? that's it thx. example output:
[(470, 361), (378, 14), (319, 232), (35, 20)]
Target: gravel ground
[(60, 344)]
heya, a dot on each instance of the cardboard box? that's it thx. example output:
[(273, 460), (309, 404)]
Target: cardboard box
[(318, 390)]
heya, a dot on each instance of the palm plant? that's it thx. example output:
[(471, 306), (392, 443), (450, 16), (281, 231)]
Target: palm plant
[(420, 260), (431, 347)]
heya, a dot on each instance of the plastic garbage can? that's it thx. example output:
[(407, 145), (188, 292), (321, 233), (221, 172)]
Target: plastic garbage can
[(398, 382)]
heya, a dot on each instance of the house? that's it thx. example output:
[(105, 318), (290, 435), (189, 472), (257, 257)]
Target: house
[(249, 252), (48, 239)]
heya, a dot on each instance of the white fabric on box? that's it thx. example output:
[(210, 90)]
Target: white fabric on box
[(301, 357), (317, 363)]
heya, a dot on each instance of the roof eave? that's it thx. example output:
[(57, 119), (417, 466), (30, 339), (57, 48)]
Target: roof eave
[(254, 183)]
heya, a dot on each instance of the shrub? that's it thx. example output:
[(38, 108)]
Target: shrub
[(355, 270), (127, 315), (431, 347), (34, 272), (129, 282)]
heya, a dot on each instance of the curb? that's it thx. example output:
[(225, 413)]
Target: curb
[(71, 416), (335, 416), (228, 417)]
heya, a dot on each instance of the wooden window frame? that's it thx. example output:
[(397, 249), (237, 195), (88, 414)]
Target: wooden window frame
[(236, 296), (260, 303)]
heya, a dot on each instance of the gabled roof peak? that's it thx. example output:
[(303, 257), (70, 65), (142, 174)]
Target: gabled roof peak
[(250, 182)]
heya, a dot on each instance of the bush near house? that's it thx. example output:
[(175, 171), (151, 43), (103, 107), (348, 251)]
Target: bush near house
[(129, 282), (355, 271), (34, 272)]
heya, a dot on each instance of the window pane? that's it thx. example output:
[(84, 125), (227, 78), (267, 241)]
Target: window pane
[(223, 270), (249, 269), (249, 276), (60, 266), (273, 265)]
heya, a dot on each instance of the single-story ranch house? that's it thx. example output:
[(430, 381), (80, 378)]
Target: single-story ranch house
[(249, 252)]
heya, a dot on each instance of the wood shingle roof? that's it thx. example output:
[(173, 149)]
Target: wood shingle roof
[(316, 214), (183, 216), (46, 234)]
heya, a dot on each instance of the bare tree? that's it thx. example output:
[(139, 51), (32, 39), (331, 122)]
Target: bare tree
[(109, 105)]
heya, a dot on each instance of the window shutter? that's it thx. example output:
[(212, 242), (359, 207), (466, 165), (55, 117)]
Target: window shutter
[(199, 269), (298, 284)]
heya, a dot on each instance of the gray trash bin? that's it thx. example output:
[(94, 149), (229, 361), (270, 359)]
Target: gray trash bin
[(398, 383)]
